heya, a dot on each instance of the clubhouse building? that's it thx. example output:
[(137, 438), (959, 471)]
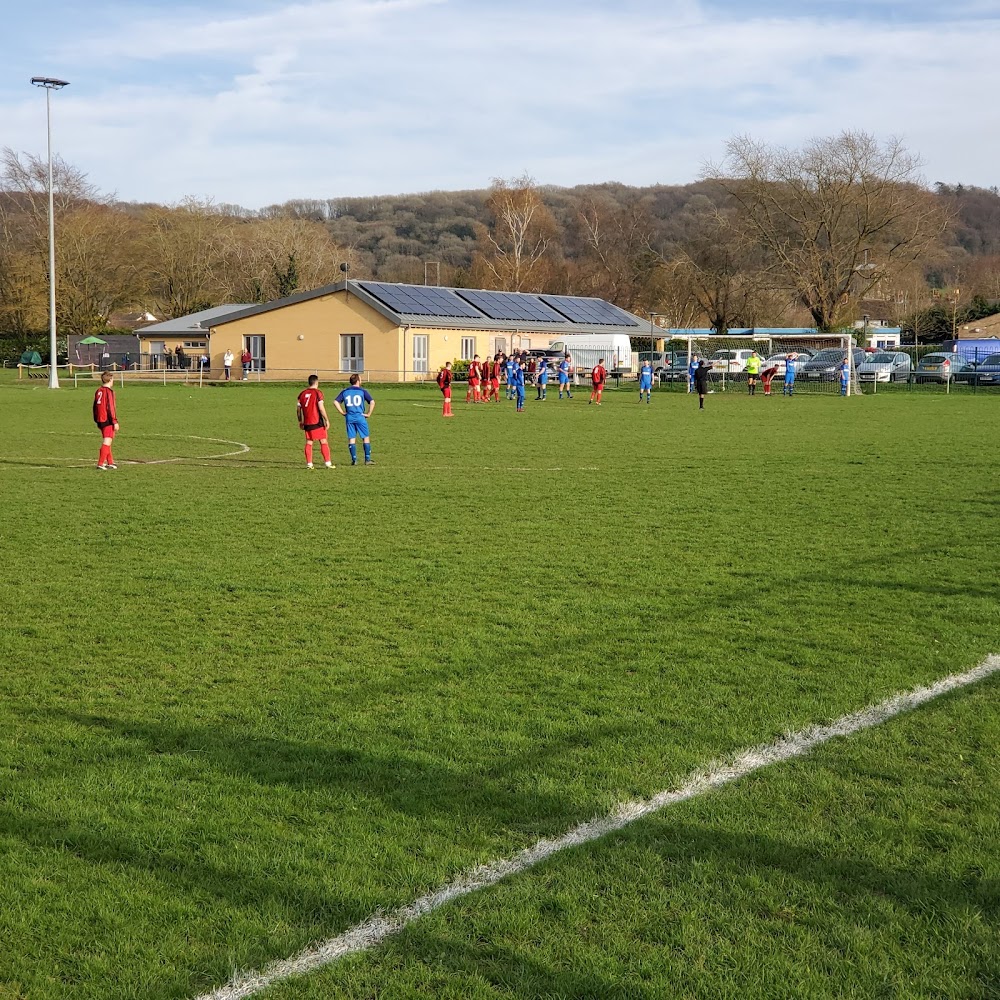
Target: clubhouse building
[(387, 332)]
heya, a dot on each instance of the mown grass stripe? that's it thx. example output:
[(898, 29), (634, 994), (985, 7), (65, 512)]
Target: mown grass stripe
[(380, 926)]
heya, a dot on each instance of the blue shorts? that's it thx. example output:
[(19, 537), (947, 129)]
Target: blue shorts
[(645, 383), (564, 380), (543, 380), (357, 427)]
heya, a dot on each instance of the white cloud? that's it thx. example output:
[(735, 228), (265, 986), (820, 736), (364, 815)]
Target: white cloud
[(364, 97)]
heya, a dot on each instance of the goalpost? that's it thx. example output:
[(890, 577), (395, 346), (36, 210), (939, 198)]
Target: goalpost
[(818, 362)]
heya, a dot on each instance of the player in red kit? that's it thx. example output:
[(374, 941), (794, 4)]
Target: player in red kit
[(311, 414), (444, 379), (475, 377), (598, 377), (106, 418), (495, 370)]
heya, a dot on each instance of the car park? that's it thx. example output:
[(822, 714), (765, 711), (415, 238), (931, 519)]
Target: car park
[(777, 361), (886, 366), (985, 372), (825, 366), (668, 366), (941, 367), (729, 361)]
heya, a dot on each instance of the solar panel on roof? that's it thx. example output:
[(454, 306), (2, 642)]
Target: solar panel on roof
[(593, 311), (511, 306), (421, 300)]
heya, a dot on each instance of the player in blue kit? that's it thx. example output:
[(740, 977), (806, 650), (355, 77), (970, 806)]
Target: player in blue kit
[(517, 385), (791, 363), (542, 379), (692, 368), (645, 379), (351, 403), (564, 373), (509, 365)]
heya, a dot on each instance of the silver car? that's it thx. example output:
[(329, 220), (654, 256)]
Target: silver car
[(889, 366)]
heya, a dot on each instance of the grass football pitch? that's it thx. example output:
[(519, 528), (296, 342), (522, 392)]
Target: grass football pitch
[(244, 707)]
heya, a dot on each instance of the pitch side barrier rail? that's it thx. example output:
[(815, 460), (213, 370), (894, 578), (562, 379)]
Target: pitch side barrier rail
[(977, 376)]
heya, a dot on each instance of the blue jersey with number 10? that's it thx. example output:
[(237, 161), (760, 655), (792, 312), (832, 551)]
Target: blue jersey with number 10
[(353, 400)]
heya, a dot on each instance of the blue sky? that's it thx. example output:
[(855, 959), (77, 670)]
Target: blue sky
[(259, 102)]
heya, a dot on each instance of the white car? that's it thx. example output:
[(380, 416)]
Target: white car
[(730, 361)]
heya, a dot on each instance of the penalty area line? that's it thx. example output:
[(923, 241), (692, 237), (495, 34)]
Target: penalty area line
[(380, 926)]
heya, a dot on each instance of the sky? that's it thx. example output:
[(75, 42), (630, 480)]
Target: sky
[(255, 103)]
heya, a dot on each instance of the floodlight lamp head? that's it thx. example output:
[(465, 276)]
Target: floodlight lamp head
[(49, 82)]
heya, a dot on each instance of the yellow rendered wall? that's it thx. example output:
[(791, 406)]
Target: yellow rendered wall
[(304, 337)]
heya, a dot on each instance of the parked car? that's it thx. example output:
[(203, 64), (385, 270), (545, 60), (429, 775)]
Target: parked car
[(777, 361), (729, 361), (825, 366), (941, 367), (889, 366), (985, 372)]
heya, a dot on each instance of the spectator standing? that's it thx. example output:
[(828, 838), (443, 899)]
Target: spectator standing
[(246, 359), (227, 363)]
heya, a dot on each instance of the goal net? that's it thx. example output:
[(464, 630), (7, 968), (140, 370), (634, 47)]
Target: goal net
[(817, 362)]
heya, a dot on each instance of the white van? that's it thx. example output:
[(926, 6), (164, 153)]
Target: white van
[(587, 349)]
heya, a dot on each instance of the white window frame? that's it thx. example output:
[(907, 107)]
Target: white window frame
[(420, 357), (352, 352), (468, 348)]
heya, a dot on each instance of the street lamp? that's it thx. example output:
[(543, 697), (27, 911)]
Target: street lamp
[(51, 84)]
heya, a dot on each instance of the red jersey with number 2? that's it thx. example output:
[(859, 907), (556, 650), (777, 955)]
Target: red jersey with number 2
[(104, 407), (309, 400), (599, 375)]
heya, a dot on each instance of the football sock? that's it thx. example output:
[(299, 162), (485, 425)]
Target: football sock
[(368, 450), (325, 448), (353, 449), (105, 455), (309, 452)]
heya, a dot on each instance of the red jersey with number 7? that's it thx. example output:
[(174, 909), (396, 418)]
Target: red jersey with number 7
[(599, 375), (309, 400), (104, 407)]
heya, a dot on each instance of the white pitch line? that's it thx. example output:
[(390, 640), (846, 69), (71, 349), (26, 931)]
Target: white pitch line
[(380, 926)]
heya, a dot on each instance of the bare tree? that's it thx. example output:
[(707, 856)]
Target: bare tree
[(514, 250), (835, 218), (619, 262)]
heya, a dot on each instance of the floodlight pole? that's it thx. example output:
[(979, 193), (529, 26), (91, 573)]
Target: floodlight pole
[(51, 84)]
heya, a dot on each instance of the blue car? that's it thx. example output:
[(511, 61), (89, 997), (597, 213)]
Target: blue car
[(986, 372)]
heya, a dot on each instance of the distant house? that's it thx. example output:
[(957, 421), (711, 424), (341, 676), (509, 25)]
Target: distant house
[(388, 332), (130, 320), (980, 329)]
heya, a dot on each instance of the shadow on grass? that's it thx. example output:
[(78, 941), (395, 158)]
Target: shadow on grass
[(495, 795), (688, 845)]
